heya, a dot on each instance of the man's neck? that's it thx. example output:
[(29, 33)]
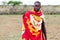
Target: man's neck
[(36, 10)]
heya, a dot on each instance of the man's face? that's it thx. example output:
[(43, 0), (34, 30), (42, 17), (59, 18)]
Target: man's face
[(37, 6)]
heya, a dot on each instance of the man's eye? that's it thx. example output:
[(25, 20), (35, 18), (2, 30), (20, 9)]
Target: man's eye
[(37, 5)]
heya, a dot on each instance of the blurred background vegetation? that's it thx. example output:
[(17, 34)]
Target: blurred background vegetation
[(16, 7)]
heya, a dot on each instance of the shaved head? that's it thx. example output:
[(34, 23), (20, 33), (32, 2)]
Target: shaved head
[(37, 2), (37, 6)]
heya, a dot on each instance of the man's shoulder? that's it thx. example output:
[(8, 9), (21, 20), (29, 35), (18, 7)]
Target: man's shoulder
[(26, 13)]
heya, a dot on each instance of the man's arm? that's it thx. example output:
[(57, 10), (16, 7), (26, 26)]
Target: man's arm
[(44, 29)]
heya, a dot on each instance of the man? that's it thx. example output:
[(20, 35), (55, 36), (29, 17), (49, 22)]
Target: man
[(33, 24)]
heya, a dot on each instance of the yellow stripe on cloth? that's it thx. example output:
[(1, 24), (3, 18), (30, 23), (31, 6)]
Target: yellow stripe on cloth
[(23, 28), (32, 29), (37, 18)]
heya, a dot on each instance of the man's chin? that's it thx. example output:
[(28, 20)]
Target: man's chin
[(37, 10)]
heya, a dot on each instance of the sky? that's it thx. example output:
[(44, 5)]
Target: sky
[(31, 2)]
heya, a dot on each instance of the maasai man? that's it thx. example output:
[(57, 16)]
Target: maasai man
[(33, 24)]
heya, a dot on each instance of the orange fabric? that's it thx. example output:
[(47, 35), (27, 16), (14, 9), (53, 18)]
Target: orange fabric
[(30, 32), (37, 18)]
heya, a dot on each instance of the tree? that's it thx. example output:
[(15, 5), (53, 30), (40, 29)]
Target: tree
[(13, 3)]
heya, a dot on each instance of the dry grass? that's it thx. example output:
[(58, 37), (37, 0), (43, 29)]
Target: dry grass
[(10, 27), (53, 27)]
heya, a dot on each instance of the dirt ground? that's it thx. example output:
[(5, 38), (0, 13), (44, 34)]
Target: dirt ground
[(53, 27), (10, 27)]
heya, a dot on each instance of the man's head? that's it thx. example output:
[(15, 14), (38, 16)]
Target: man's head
[(37, 6)]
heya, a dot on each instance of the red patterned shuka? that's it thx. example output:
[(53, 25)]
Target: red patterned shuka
[(31, 29)]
